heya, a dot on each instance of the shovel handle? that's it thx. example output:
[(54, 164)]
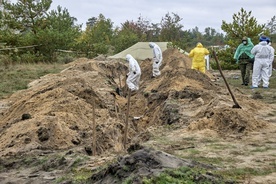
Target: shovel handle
[(220, 70)]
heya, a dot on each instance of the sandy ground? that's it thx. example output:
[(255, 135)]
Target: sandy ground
[(182, 112)]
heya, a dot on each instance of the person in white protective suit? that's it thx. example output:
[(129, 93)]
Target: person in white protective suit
[(134, 74), (270, 67), (273, 51), (263, 59), (156, 60)]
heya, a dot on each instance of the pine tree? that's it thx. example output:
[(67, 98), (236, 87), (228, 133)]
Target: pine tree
[(243, 25)]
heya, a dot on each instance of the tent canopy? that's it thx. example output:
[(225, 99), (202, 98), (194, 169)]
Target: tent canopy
[(140, 51)]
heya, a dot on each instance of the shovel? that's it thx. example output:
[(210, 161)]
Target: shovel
[(236, 105)]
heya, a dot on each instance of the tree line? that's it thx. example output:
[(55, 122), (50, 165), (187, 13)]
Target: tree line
[(31, 32)]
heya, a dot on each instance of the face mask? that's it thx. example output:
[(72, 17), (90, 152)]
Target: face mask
[(244, 42)]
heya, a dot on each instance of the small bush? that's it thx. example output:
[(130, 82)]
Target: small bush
[(65, 59), (226, 60), (28, 58), (224, 65), (5, 60)]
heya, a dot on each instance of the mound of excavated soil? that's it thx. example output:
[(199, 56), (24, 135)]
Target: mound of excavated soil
[(227, 121), (61, 110), (56, 111)]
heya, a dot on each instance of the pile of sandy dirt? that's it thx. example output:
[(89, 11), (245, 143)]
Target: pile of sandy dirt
[(56, 111), (227, 121), (60, 109)]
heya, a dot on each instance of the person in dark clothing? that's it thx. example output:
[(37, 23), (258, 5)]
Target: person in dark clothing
[(245, 59)]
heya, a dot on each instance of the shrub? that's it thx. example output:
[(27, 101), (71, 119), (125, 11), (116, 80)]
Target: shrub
[(5, 60), (226, 60)]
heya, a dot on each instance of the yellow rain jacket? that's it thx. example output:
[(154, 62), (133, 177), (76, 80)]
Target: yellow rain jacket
[(198, 54)]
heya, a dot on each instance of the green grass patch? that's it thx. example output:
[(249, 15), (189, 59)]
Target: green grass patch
[(208, 140), (266, 95), (193, 152), (79, 161), (218, 146), (241, 173), (129, 180), (219, 161), (190, 139), (82, 176), (237, 81), (17, 77), (262, 149), (185, 175)]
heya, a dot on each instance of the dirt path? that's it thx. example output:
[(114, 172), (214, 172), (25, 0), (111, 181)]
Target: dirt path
[(256, 150)]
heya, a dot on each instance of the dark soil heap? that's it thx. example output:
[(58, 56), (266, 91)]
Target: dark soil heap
[(145, 163)]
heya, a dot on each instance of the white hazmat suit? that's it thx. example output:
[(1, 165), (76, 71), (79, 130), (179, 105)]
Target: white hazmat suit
[(134, 74), (263, 60), (270, 68), (156, 60)]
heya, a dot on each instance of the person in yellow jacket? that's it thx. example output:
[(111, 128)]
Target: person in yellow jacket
[(198, 54)]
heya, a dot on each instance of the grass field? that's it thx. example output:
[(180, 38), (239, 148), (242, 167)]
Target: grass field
[(267, 95), (237, 82), (17, 77)]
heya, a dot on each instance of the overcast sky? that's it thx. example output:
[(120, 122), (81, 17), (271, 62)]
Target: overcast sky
[(200, 13)]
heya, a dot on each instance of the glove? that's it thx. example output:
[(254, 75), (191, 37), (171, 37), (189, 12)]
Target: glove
[(155, 60), (134, 73)]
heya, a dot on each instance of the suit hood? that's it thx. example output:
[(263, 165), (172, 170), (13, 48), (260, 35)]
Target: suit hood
[(199, 45)]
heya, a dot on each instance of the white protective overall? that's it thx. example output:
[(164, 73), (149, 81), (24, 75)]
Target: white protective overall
[(270, 67), (263, 60), (156, 60), (134, 74)]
